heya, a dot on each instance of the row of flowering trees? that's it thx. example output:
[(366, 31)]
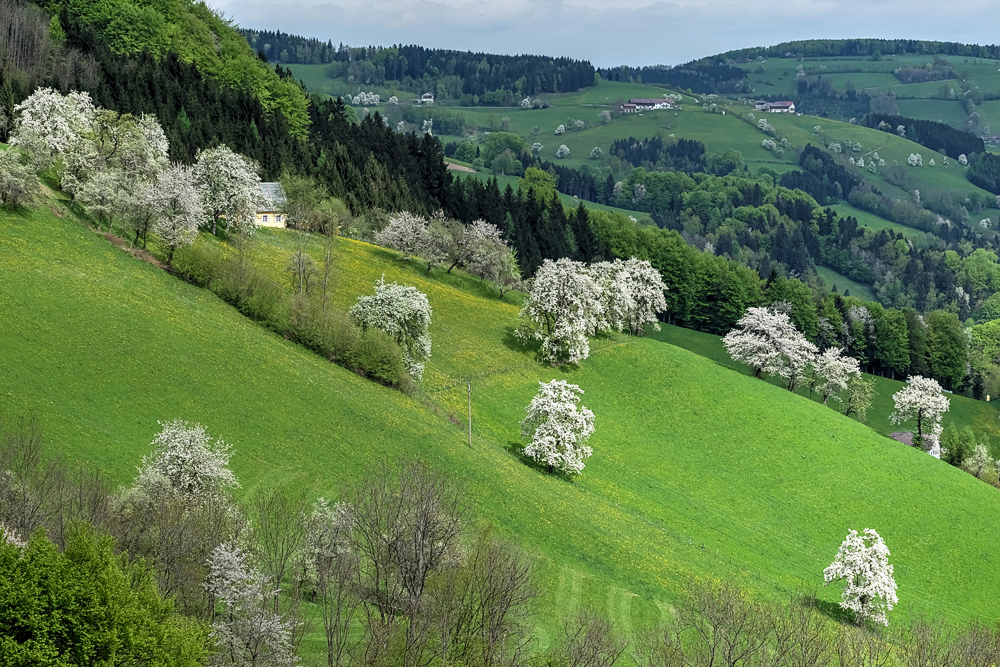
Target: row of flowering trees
[(766, 340), (118, 167), (479, 247)]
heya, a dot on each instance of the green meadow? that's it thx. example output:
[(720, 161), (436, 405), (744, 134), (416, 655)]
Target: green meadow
[(699, 471)]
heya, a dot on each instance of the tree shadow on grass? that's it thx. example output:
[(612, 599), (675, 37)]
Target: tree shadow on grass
[(831, 610), (517, 449), (512, 342)]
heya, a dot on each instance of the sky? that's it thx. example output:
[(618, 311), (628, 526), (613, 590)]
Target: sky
[(623, 32)]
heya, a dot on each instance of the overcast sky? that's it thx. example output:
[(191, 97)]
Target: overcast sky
[(631, 32)]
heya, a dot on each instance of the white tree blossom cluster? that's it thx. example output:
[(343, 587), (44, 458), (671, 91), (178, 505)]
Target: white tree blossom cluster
[(176, 206), (10, 536), (562, 151), (367, 99), (402, 312), (427, 127), (558, 427), (526, 103), (863, 562), (407, 233), (772, 146), (922, 401), (596, 153), (901, 130), (962, 160), (18, 183), (766, 340), (393, 100), (185, 461), (604, 116), (835, 147), (930, 163), (560, 130), (48, 124), (834, 371), (246, 629), (228, 187), (915, 160), (536, 148), (579, 124), (569, 300), (762, 124)]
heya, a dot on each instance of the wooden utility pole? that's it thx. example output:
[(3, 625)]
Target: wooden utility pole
[(469, 385)]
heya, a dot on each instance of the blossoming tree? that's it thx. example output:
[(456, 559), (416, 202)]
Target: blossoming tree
[(766, 340), (562, 307), (402, 312), (922, 401), (558, 427), (863, 562)]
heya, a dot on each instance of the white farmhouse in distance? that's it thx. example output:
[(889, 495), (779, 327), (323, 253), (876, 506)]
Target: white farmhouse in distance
[(775, 107), (271, 213)]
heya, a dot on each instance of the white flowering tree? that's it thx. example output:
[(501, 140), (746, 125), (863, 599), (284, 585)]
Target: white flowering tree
[(615, 294), (562, 151), (596, 153), (526, 103), (185, 461), (407, 233), (393, 100), (176, 207), (915, 160), (922, 401), (536, 148), (834, 371), (427, 127), (558, 427), (18, 183), (646, 288), (228, 185), (402, 312), (863, 563), (560, 130), (246, 629), (604, 116), (962, 160), (48, 123), (562, 307), (766, 340)]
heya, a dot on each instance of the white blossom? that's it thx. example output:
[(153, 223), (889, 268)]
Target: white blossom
[(176, 207), (562, 307), (605, 116), (766, 340), (48, 123), (921, 400), (834, 371), (427, 127), (18, 183), (900, 130), (246, 629), (863, 562), (402, 312), (558, 427), (536, 148), (560, 130), (526, 103), (186, 462), (580, 124), (962, 160), (562, 151), (407, 233), (930, 163), (915, 160), (10, 536), (596, 153), (228, 186), (368, 99), (393, 100)]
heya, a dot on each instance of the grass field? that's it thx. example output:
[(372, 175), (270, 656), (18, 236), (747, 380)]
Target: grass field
[(875, 222), (698, 472), (843, 284), (513, 181)]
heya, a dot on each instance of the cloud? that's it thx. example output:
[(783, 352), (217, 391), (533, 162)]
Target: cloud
[(633, 32)]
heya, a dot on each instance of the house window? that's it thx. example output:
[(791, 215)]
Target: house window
[(263, 218), (277, 218)]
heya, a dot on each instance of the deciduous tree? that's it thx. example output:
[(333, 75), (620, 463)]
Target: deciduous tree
[(402, 312), (562, 307), (863, 562), (921, 400), (558, 428)]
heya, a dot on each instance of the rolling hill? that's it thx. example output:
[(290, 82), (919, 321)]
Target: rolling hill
[(699, 472)]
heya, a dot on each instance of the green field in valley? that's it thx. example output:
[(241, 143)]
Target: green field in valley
[(698, 472), (845, 284)]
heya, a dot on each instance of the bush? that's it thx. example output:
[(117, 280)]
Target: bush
[(330, 333)]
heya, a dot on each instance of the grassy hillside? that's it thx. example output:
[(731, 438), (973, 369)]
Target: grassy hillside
[(698, 471), (982, 417)]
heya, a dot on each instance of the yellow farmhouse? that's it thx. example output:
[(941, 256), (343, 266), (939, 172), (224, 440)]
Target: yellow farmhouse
[(272, 212)]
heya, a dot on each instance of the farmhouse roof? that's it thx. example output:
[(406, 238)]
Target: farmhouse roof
[(274, 197), (636, 100)]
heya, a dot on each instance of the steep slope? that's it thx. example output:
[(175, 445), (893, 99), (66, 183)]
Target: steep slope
[(698, 471)]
